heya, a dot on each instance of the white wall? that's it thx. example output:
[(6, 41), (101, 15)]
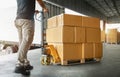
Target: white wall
[(7, 29)]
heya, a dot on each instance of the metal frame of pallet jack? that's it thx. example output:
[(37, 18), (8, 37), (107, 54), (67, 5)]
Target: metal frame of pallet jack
[(45, 58), (41, 19), (49, 53)]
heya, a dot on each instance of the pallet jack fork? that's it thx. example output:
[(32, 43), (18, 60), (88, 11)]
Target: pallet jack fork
[(49, 53)]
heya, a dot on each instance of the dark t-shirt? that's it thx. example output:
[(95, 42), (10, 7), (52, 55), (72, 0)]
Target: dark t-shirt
[(25, 9)]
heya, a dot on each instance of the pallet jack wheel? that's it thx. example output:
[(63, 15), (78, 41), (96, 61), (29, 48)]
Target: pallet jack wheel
[(42, 61), (46, 60)]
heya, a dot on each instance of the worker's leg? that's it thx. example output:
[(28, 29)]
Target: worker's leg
[(20, 68), (18, 25), (28, 33)]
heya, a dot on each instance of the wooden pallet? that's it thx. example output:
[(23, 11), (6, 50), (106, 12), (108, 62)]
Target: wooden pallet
[(81, 61), (112, 43)]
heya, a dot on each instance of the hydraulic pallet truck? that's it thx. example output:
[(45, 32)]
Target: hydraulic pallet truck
[(49, 53)]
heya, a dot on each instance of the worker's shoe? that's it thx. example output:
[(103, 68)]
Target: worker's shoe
[(29, 67), (22, 70)]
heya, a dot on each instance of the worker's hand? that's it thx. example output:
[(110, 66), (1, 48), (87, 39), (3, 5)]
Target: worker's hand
[(45, 10)]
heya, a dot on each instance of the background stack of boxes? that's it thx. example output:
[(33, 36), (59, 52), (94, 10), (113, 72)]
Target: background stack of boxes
[(75, 37), (103, 36), (113, 36)]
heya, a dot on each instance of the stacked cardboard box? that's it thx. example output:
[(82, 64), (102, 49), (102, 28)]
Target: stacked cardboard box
[(92, 48), (52, 22), (90, 22), (75, 37), (103, 36), (118, 37), (67, 36), (113, 36)]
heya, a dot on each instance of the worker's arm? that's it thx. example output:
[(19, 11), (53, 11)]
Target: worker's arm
[(42, 5)]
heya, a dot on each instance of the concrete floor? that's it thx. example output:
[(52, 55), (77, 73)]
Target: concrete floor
[(108, 67)]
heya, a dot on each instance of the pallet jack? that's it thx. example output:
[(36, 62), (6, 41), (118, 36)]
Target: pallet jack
[(49, 53)]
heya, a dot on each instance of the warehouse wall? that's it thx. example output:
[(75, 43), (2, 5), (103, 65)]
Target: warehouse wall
[(7, 28)]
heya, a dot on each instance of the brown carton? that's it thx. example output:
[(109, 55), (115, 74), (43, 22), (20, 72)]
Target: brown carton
[(77, 20), (50, 34), (108, 37), (118, 37), (90, 22), (52, 22), (62, 34), (112, 36), (79, 34), (93, 35), (98, 50), (68, 51), (69, 20), (87, 50), (103, 36)]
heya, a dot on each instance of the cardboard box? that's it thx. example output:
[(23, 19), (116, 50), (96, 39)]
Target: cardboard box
[(68, 51), (93, 35), (118, 37), (62, 34), (108, 37), (69, 20), (77, 20), (50, 34), (112, 36), (103, 36), (90, 22), (87, 50), (98, 50), (79, 34), (52, 22)]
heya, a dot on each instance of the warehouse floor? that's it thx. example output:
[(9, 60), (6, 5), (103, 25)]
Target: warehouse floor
[(108, 67)]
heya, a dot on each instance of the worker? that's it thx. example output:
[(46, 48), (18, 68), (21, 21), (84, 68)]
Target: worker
[(24, 23)]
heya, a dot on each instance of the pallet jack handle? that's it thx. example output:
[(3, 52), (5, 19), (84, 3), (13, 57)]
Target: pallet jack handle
[(40, 16), (49, 53)]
